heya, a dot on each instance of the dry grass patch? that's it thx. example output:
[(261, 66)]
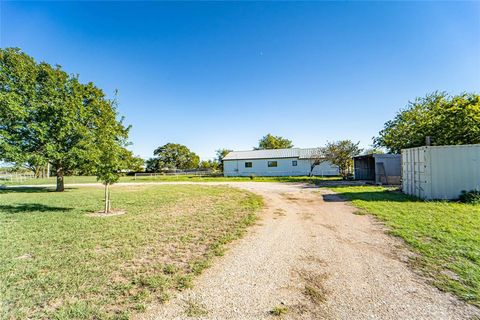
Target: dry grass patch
[(314, 288)]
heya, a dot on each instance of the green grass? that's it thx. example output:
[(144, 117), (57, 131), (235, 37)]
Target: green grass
[(59, 262), (445, 235), (92, 179), (279, 310)]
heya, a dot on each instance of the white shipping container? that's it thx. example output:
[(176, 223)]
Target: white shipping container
[(440, 172)]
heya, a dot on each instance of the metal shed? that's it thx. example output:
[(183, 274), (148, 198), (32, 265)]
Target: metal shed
[(381, 168), (440, 172)]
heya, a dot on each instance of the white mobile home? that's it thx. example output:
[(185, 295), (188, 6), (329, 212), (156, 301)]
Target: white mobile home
[(440, 172), (275, 162)]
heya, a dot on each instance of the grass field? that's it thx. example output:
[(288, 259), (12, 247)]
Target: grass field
[(57, 261), (445, 235), (92, 179)]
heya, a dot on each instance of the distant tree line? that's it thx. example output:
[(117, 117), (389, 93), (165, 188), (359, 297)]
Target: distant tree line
[(173, 156)]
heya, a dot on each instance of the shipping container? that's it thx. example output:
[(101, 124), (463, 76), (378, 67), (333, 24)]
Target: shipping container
[(440, 172)]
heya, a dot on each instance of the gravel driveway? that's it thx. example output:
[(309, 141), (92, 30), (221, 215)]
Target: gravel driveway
[(314, 258)]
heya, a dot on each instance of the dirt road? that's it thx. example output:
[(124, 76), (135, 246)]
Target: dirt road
[(312, 258)]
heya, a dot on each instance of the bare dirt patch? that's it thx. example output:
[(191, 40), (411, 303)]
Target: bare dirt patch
[(113, 213)]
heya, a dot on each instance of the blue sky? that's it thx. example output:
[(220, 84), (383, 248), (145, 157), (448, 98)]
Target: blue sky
[(222, 75)]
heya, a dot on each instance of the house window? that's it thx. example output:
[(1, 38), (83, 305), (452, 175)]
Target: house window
[(248, 164), (294, 163), (272, 164)]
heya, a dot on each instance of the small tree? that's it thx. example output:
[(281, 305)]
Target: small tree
[(340, 153), (316, 158), (111, 155), (274, 142)]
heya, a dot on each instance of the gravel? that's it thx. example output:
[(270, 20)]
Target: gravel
[(312, 258)]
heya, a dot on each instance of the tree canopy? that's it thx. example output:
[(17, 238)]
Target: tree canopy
[(340, 153), (48, 116), (273, 142), (173, 156), (447, 120)]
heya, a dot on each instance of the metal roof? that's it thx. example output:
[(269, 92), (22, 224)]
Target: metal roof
[(378, 155), (307, 153)]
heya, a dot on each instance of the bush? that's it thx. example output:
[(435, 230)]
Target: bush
[(472, 196)]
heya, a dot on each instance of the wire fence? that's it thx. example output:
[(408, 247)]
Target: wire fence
[(197, 173), (15, 177)]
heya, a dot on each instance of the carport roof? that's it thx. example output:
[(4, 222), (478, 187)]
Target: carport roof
[(306, 153)]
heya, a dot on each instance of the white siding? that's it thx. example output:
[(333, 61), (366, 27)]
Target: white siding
[(440, 172), (284, 168)]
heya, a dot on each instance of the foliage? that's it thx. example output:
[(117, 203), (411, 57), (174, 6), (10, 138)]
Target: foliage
[(111, 156), (273, 142), (448, 120), (48, 116), (173, 156), (208, 165), (59, 262), (340, 153), (444, 235), (373, 151), (472, 196), (136, 164)]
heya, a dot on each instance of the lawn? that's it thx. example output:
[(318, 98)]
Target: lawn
[(445, 235), (190, 178), (58, 261)]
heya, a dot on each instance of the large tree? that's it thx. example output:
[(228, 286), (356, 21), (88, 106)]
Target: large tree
[(445, 119), (47, 116), (273, 142), (173, 156)]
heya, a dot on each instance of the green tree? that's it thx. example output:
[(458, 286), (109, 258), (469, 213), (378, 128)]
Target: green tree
[(152, 165), (221, 153), (136, 164), (340, 153), (18, 109), (447, 120), (173, 156), (111, 156), (208, 165), (373, 151), (273, 142)]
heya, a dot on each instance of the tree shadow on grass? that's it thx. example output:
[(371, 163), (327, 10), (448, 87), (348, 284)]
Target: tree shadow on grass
[(4, 190), (31, 207), (385, 195)]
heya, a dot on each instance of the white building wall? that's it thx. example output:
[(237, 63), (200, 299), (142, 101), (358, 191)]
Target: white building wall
[(284, 167), (440, 172)]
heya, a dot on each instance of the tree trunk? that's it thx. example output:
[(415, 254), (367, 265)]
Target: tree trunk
[(107, 199), (60, 182)]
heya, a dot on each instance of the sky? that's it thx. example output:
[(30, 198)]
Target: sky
[(213, 75)]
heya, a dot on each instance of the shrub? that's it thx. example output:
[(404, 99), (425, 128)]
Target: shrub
[(472, 196)]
